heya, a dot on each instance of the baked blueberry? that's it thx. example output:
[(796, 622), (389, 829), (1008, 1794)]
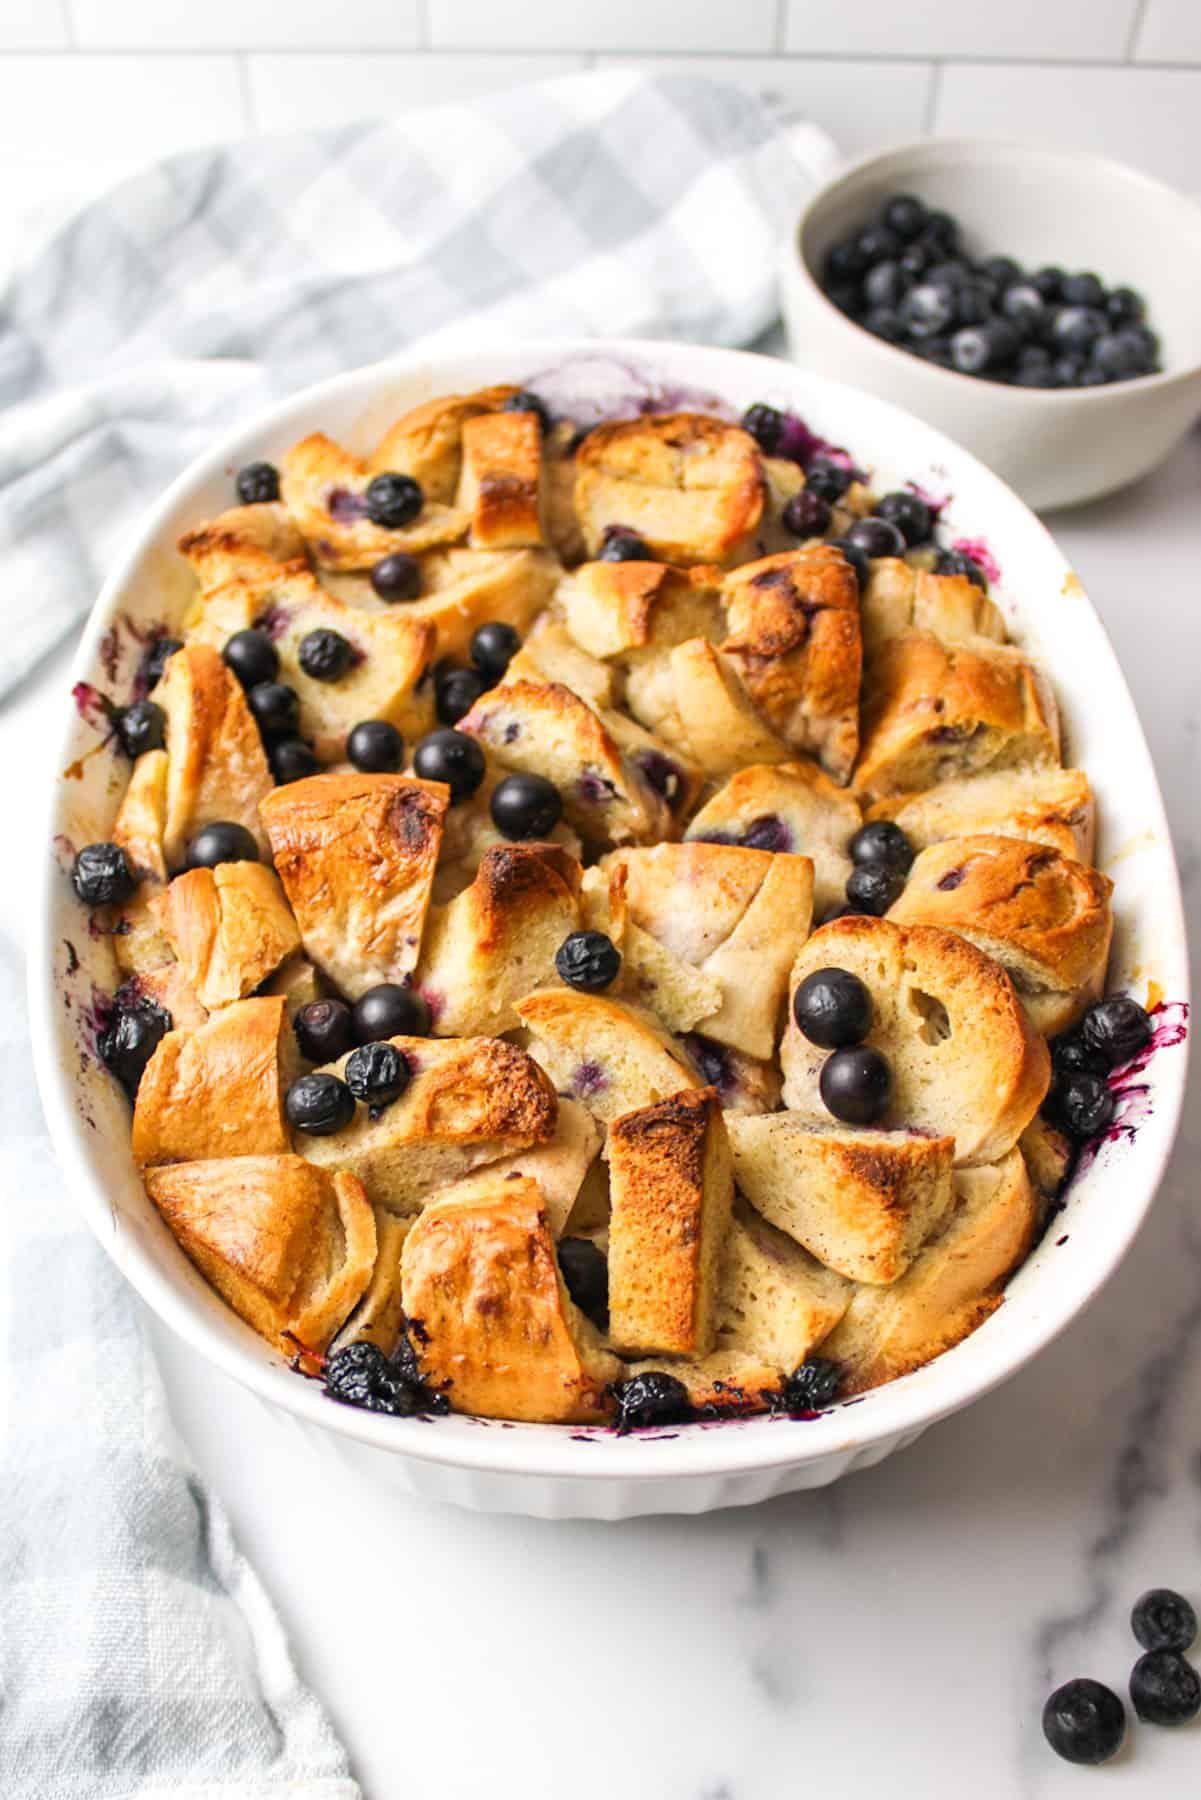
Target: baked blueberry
[(156, 658), (102, 876), (828, 479), (589, 961), (257, 483), (526, 806), (876, 537), (387, 1011), (251, 656), (883, 842), (904, 215), (1084, 1721), (326, 655), (525, 401), (812, 1385), (376, 747), (377, 1074), (807, 515), (1165, 1689), (361, 1375), (1163, 1620), (832, 1008), (856, 1085), (493, 647), (452, 757), (319, 1105), (856, 556), (456, 692), (323, 1030), (141, 726), (620, 545), (655, 1398), (928, 308), (587, 1276), (1079, 1103), (292, 759), (224, 841), (1117, 1029), (765, 424), (909, 513), (397, 577), (275, 708), (130, 1039), (393, 500), (872, 888), (1071, 1052), (955, 562)]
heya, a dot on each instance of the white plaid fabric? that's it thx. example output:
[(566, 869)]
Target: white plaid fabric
[(138, 1654)]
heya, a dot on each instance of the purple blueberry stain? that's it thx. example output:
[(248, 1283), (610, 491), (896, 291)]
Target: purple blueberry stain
[(344, 507), (274, 620), (593, 789), (660, 774), (588, 1081), (977, 548), (511, 732), (950, 880), (713, 1062), (768, 832)]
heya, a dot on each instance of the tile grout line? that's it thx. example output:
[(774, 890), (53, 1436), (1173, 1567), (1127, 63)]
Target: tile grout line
[(482, 52), (780, 35), (1136, 27), (67, 14), (423, 25)]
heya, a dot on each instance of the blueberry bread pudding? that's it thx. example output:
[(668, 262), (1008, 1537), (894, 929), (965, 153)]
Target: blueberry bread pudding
[(604, 931)]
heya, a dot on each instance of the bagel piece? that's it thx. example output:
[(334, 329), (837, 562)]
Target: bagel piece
[(167, 988), (379, 1318), (611, 1056), (1047, 1153), (427, 441), (630, 610), (217, 1089), (469, 833), (134, 929), (230, 927), (792, 807), (693, 698), (500, 480), (550, 653), (216, 766), (462, 589), (966, 1061), (324, 487), (560, 1166), (899, 598), (1048, 806), (692, 487), (243, 540), (744, 1084)]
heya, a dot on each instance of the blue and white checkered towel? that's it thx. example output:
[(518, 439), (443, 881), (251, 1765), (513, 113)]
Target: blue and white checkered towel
[(138, 1653)]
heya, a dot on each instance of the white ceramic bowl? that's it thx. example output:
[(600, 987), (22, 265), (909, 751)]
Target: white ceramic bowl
[(1040, 206), (548, 1470)]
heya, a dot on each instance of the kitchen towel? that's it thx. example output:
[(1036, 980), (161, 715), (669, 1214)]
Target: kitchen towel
[(139, 1657)]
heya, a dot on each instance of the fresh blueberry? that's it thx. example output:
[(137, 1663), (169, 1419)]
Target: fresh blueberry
[(224, 841), (377, 1074), (1048, 281), (871, 888), (1068, 370), (845, 296), (456, 692), (1091, 376), (1084, 1721), (1079, 1103), (878, 244), (883, 843), (915, 260), (526, 806), (856, 1085), (1124, 307), (980, 348), (904, 215), (1036, 367), (813, 1385), (1165, 1689), (586, 1274), (323, 1030), (928, 309), (620, 545), (807, 515), (397, 577), (884, 322), (589, 961), (765, 423), (326, 655), (833, 1008), (275, 708), (389, 1011), (884, 286), (1075, 329), (251, 656), (130, 1039), (292, 760), (909, 513), (1120, 356), (845, 261), (1070, 1053), (1024, 305), (856, 556), (1084, 289), (526, 402), (319, 1105), (655, 1398), (1163, 1620), (1000, 269), (376, 747), (957, 562), (877, 537), (156, 660), (257, 483), (827, 479), (936, 350), (361, 1375), (941, 232), (1116, 1029), (393, 501), (493, 647), (452, 757), (140, 727), (973, 304)]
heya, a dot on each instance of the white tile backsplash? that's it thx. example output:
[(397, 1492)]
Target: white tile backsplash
[(110, 109), (33, 25), (244, 24), (1074, 30), (1170, 31), (289, 93), (671, 25)]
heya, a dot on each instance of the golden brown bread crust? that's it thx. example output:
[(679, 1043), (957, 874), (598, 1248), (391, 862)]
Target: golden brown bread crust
[(604, 1052), (490, 1318), (137, 939), (1048, 806), (217, 1090), (170, 989), (242, 540), (356, 855), (463, 589), (691, 486), (793, 807), (898, 599), (216, 768), (427, 443), (672, 1193), (290, 1247), (323, 486), (611, 609), (500, 481), (230, 927)]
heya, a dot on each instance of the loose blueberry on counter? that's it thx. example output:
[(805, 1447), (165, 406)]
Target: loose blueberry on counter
[(876, 537), (323, 1030), (130, 1039), (856, 1085), (101, 875), (587, 1276), (1079, 1103), (257, 484), (456, 692), (251, 656), (883, 842), (493, 647), (524, 401), (361, 1375), (275, 708), (224, 841), (377, 1074), (827, 479), (375, 747), (393, 500), (1084, 1722), (526, 806), (326, 655), (397, 577), (807, 515), (1116, 1029), (292, 759), (620, 545), (813, 1384), (765, 423), (319, 1105), (1163, 1620), (389, 1011), (655, 1398), (451, 757), (140, 727), (954, 562), (833, 1008), (904, 215), (1165, 1689), (909, 513), (872, 888), (156, 661), (589, 961)]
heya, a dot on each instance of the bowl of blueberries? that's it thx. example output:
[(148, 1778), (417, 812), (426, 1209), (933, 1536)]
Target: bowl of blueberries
[(1038, 305)]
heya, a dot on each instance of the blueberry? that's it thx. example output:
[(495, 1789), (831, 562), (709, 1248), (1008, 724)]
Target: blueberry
[(904, 215), (1084, 289), (257, 483), (1048, 281), (397, 577), (377, 1074), (1079, 1103), (456, 692), (980, 348), (361, 1375), (884, 322), (526, 806), (393, 500), (319, 1105), (957, 562), (1075, 329), (856, 556), (807, 515), (827, 479), (856, 1085), (376, 747), (845, 296), (389, 1011), (589, 961), (140, 727), (224, 841), (102, 876), (876, 537), (452, 757), (655, 1398), (878, 244), (326, 655), (292, 759), (845, 261), (765, 423), (1124, 307), (323, 1030), (1070, 1052), (1165, 1689), (1119, 355), (1024, 305), (936, 350), (1036, 367), (130, 1039), (586, 1274), (833, 1008), (940, 231), (973, 304), (1091, 376), (275, 708), (156, 660), (1000, 269), (813, 1384), (1084, 1722), (523, 401), (884, 285), (882, 842), (493, 647), (1116, 1029), (872, 889), (251, 656), (620, 545), (928, 308), (1163, 1620), (909, 513), (915, 260)]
